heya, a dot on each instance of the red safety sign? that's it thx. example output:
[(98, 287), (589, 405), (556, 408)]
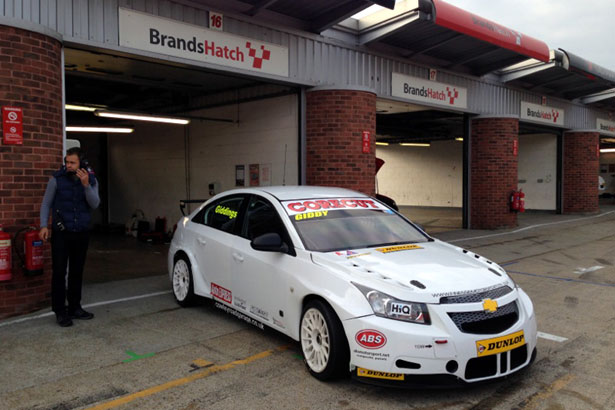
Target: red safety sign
[(366, 142), (515, 147), (12, 126)]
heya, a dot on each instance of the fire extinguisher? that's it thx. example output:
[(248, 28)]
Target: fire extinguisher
[(521, 201), (515, 201), (5, 256), (32, 258)]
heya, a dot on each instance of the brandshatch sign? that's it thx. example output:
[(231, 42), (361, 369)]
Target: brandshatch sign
[(164, 36), (542, 114), (428, 92), (605, 126)]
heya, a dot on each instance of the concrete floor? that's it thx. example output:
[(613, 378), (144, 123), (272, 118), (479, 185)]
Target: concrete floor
[(144, 352)]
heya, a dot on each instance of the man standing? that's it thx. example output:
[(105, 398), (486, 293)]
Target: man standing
[(71, 194)]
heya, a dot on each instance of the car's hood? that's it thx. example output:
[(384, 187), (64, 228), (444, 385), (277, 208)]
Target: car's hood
[(423, 272)]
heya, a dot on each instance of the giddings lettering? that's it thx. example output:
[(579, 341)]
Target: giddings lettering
[(222, 210)]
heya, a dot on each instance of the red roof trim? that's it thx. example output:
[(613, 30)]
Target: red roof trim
[(478, 27)]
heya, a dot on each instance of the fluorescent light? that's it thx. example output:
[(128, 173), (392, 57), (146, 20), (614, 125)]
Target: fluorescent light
[(100, 129), (603, 150), (141, 117), (459, 139), (415, 144), (80, 108), (382, 143)]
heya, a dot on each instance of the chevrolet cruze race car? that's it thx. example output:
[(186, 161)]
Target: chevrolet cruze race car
[(363, 290)]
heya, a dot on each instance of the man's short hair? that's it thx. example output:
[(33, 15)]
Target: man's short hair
[(75, 151)]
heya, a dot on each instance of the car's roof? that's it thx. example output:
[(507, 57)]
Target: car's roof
[(284, 193)]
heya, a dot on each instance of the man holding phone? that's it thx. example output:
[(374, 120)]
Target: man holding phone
[(71, 194)]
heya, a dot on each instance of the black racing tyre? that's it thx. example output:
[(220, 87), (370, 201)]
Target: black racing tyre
[(323, 342), (183, 286)]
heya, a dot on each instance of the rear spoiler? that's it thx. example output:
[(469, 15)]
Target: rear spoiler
[(183, 202)]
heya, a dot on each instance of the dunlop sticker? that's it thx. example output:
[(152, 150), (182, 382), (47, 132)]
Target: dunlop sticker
[(398, 248), (361, 372), (500, 344)]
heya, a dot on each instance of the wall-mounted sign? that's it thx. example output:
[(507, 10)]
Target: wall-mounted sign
[(542, 114), (366, 142), (265, 174), (605, 126), (12, 126), (254, 175), (240, 175), (169, 37), (433, 75), (216, 21), (428, 92)]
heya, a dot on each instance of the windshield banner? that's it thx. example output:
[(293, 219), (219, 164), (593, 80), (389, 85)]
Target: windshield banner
[(323, 206)]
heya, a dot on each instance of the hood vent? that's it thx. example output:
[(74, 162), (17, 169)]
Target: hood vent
[(417, 284), (495, 271)]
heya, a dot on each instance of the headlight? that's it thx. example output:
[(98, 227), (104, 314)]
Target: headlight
[(387, 306)]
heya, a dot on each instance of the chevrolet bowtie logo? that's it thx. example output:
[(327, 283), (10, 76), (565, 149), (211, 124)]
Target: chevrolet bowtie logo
[(490, 305)]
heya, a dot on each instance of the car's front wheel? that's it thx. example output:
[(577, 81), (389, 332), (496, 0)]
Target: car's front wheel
[(323, 342), (183, 287)]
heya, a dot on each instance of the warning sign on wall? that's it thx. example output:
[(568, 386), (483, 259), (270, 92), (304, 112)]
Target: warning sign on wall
[(12, 126)]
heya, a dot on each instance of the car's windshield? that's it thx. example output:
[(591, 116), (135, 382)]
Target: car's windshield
[(340, 224)]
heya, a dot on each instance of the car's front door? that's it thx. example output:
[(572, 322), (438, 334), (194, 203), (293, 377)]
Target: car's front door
[(260, 279), (215, 230)]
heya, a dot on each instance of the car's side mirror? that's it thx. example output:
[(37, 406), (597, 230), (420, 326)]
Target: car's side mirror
[(269, 242)]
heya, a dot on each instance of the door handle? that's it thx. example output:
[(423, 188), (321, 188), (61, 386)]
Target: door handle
[(201, 241), (237, 257)]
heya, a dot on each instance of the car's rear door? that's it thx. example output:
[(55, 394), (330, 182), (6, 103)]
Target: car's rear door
[(215, 227)]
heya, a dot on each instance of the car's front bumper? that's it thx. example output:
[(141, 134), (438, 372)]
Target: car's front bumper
[(441, 350)]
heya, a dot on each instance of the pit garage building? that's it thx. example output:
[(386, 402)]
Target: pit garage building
[(462, 110)]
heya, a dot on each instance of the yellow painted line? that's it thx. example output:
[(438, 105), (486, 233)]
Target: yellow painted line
[(184, 380), (547, 392)]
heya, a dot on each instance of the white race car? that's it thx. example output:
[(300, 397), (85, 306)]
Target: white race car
[(363, 290)]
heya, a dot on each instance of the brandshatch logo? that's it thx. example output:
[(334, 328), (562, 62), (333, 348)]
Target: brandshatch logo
[(258, 61), (452, 95)]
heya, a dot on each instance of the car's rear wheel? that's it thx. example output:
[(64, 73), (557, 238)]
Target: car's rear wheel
[(183, 287), (323, 342)]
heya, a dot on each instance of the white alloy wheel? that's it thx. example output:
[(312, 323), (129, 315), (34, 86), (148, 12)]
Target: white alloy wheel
[(183, 289), (315, 340)]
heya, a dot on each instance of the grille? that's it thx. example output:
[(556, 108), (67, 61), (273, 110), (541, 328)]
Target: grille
[(480, 322), (487, 366), (477, 297)]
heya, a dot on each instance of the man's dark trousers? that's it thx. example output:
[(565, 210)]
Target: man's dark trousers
[(67, 248)]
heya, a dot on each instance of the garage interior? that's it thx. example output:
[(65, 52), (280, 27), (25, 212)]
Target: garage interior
[(423, 171), (144, 174)]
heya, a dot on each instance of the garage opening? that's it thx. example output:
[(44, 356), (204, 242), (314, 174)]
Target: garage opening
[(422, 150), (540, 167), (241, 132)]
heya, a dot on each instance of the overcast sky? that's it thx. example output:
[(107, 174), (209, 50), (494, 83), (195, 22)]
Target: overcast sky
[(583, 27)]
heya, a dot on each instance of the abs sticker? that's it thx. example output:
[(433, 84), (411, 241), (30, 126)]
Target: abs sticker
[(398, 248), (370, 339), (221, 293), (361, 372), (500, 344)]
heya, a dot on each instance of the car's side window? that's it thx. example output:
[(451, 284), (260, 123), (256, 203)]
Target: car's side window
[(262, 218), (222, 214)]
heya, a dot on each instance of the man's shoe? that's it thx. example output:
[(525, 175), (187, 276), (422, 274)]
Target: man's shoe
[(63, 320), (81, 314)]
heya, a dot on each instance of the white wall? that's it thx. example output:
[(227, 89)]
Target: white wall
[(147, 167), (423, 176), (538, 168), (607, 163)]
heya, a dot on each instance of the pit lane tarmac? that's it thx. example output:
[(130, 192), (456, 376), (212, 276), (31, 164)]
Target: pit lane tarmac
[(142, 351)]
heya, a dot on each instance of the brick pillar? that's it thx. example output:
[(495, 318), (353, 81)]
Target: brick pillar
[(30, 78), (336, 120), (493, 172), (580, 173)]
